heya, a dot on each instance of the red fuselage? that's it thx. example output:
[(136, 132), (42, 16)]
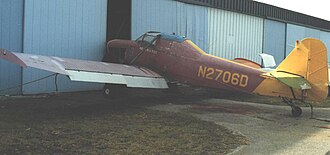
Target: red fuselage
[(186, 63)]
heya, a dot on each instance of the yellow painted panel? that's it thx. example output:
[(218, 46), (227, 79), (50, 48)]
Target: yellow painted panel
[(308, 60)]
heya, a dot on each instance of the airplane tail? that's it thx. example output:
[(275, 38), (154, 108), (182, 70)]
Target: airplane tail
[(309, 60)]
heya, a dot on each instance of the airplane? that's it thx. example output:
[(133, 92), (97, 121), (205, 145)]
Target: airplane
[(155, 59)]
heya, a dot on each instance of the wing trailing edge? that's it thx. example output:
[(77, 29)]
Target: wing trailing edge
[(129, 81)]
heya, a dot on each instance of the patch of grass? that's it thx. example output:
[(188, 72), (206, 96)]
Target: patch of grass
[(89, 125)]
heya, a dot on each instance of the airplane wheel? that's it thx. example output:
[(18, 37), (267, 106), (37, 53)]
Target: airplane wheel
[(107, 91), (296, 111), (111, 91)]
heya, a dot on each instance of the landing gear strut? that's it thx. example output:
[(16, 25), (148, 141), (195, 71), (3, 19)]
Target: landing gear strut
[(296, 110)]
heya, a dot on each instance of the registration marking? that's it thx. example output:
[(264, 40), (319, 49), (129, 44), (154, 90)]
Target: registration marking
[(220, 75)]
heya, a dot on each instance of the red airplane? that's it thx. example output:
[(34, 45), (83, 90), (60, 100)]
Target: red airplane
[(155, 59)]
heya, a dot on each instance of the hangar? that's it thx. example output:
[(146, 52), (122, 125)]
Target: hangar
[(80, 29)]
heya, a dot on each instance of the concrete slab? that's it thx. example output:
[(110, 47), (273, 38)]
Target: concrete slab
[(270, 128)]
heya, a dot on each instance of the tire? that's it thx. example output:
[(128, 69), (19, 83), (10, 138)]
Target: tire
[(296, 111), (112, 91)]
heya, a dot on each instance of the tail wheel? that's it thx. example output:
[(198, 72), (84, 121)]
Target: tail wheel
[(296, 111)]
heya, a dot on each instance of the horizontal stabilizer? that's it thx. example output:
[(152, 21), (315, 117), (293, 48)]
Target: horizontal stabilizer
[(291, 80)]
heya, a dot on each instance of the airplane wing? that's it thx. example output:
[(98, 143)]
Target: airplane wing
[(90, 71)]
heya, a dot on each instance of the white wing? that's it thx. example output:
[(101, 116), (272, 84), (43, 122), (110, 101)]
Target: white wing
[(90, 71)]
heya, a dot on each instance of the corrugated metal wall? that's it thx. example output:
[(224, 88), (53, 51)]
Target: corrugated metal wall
[(234, 35), (11, 20), (170, 17), (192, 22), (153, 15), (274, 39), (263, 10), (218, 32), (65, 28), (325, 37), (295, 32)]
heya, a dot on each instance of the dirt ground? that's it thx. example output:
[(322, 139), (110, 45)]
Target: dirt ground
[(149, 122), (86, 123)]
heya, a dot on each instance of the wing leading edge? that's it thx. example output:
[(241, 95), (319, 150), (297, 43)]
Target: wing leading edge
[(90, 71)]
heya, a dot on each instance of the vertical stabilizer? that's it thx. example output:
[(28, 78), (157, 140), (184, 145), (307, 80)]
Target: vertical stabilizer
[(309, 60)]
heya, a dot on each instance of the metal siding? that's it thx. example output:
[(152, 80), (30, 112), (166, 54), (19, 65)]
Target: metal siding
[(64, 28), (11, 20), (262, 10), (170, 17), (233, 35), (313, 33), (192, 23), (153, 15), (295, 32), (325, 37), (274, 39)]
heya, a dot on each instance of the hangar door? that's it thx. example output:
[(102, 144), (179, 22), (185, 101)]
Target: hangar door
[(170, 16), (192, 23), (295, 32), (11, 29), (64, 28), (233, 35), (325, 37), (153, 15), (274, 39)]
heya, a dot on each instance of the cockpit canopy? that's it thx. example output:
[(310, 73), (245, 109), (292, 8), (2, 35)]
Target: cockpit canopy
[(150, 38)]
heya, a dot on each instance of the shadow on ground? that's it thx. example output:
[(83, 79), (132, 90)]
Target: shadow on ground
[(86, 123)]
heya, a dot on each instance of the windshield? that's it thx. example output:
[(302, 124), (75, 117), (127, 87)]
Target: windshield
[(146, 40)]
